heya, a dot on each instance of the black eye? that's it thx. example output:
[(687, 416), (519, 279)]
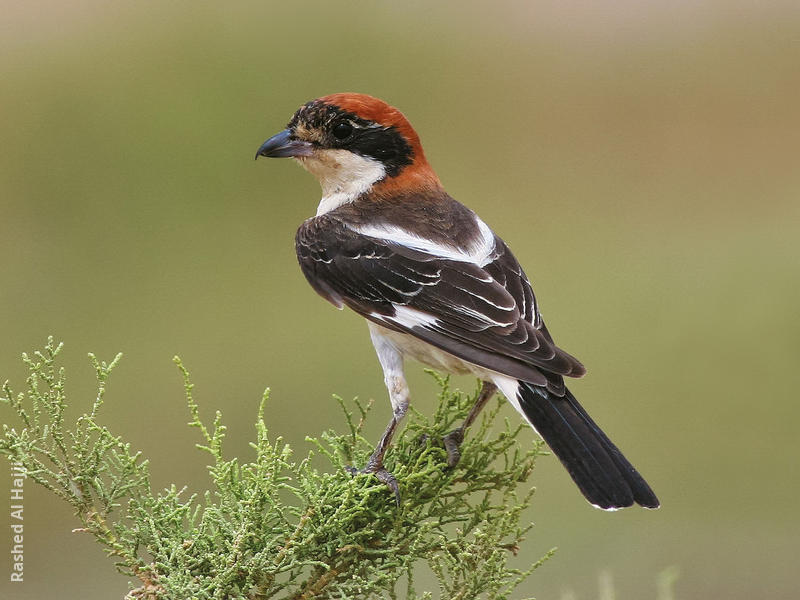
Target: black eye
[(342, 130)]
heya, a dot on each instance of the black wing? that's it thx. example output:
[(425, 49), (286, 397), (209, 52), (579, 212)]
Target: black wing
[(486, 315)]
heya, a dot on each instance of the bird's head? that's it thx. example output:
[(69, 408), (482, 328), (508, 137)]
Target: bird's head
[(353, 144)]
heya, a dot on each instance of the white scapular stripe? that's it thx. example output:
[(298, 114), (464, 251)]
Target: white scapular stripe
[(479, 253)]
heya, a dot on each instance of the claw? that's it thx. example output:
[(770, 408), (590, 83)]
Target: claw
[(389, 480), (382, 475), (452, 441)]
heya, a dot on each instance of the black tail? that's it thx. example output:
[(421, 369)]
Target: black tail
[(596, 465)]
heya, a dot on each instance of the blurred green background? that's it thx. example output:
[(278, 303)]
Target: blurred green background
[(640, 157)]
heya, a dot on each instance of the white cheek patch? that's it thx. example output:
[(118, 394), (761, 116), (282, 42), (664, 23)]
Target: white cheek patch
[(343, 176)]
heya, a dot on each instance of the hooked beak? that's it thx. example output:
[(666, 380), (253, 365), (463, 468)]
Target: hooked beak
[(281, 145)]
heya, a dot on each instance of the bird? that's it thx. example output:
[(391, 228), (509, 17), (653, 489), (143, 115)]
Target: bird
[(436, 284)]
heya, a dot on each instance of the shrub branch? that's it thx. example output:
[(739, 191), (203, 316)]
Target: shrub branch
[(279, 527)]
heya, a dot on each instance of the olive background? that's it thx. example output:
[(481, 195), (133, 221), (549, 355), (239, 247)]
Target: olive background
[(640, 158)]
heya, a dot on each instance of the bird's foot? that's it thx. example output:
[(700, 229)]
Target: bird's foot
[(377, 469), (452, 443)]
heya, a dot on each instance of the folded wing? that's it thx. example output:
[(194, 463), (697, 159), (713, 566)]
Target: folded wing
[(485, 314)]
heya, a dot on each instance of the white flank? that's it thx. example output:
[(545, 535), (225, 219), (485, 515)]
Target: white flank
[(479, 252), (343, 176)]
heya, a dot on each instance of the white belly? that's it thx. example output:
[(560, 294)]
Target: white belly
[(429, 355), (408, 345)]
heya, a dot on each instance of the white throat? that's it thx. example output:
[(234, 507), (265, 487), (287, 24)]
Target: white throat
[(343, 176)]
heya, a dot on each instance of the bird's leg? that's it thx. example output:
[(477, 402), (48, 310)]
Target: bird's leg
[(375, 462), (453, 440), (392, 362)]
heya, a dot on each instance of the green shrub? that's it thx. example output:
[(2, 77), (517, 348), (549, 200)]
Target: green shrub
[(278, 527)]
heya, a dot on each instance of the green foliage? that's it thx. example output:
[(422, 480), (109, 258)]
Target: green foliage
[(278, 527)]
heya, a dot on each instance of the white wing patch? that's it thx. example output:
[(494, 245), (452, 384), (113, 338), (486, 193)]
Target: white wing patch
[(479, 253), (409, 317)]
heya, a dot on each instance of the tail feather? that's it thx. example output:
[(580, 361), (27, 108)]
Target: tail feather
[(596, 465)]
